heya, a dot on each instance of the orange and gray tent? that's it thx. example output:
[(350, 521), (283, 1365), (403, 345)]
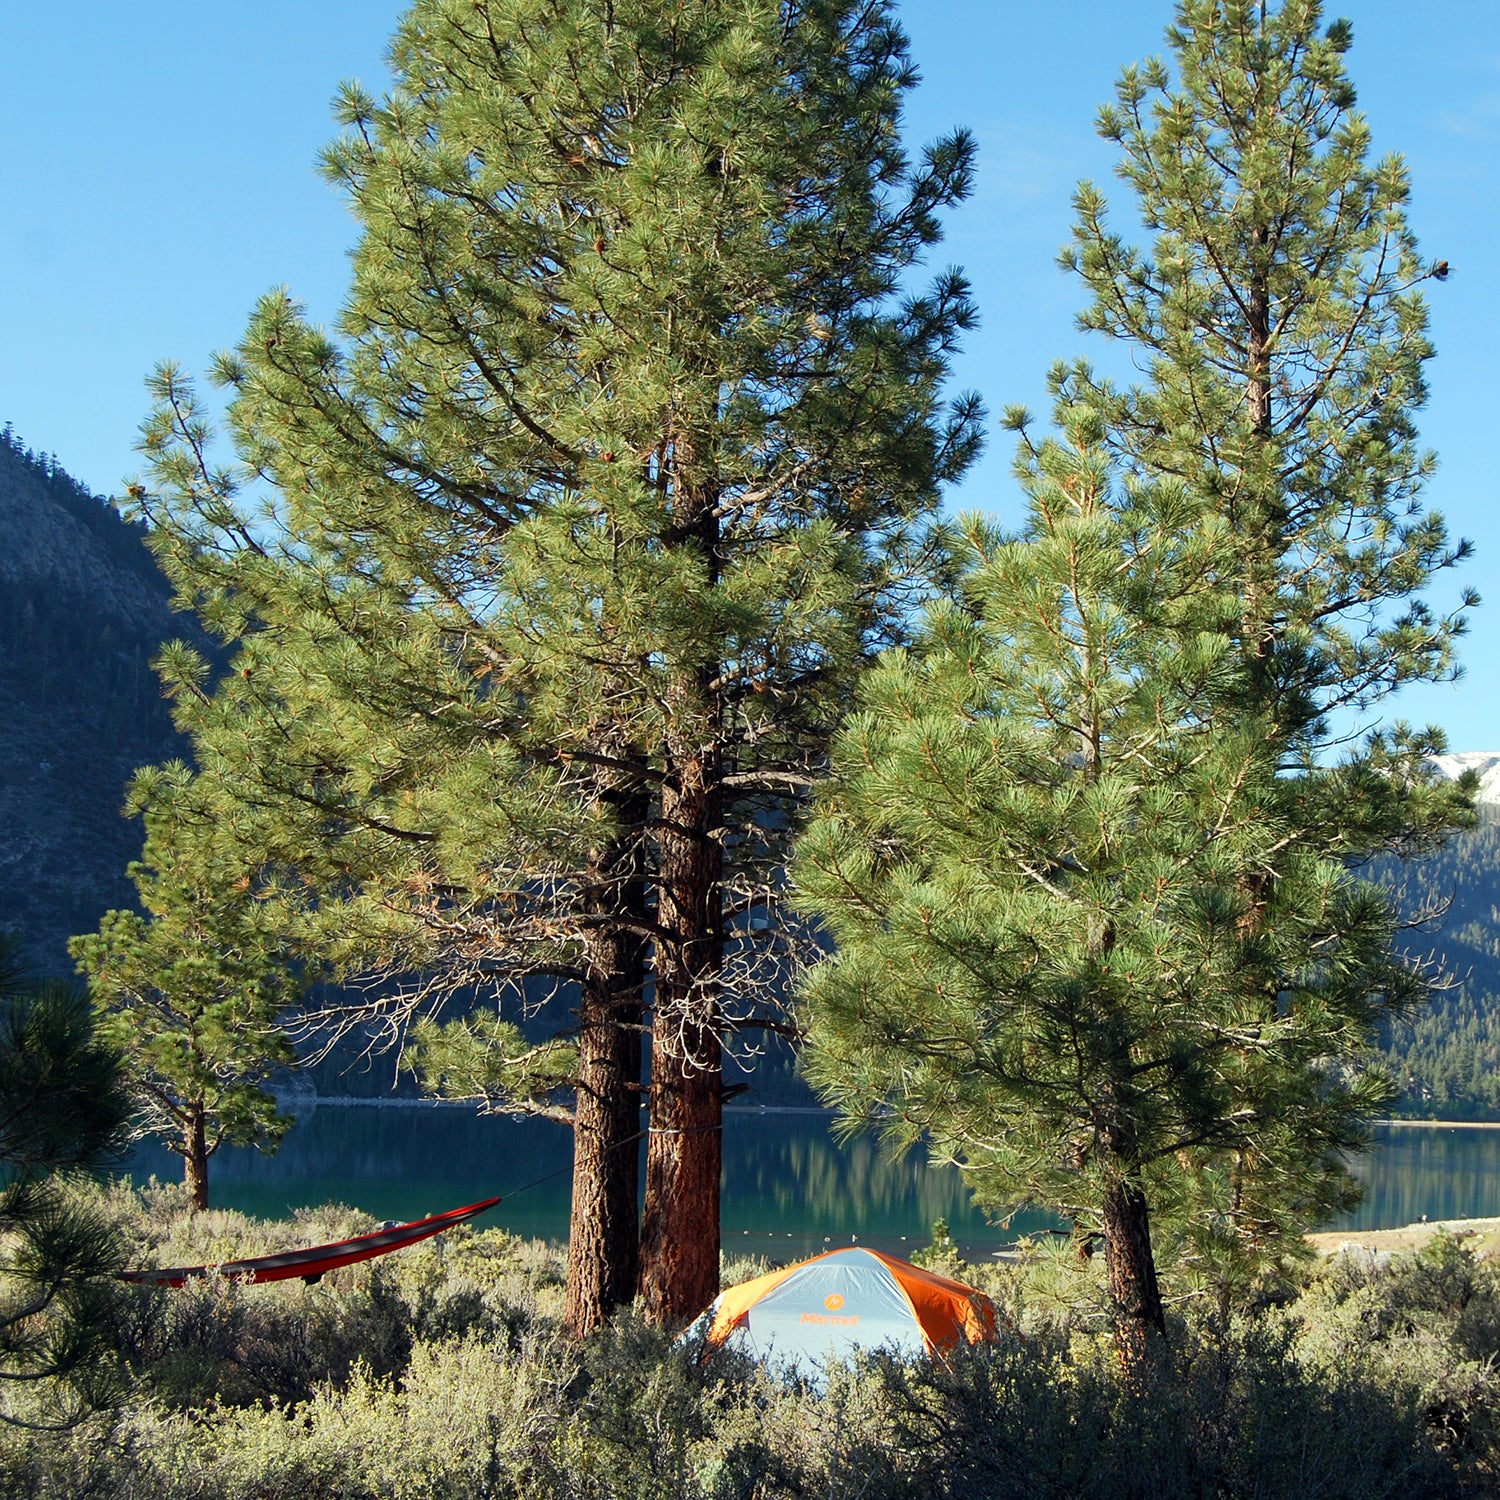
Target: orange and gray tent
[(842, 1301)]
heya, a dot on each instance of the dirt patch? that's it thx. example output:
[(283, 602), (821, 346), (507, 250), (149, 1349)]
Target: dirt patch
[(1480, 1235)]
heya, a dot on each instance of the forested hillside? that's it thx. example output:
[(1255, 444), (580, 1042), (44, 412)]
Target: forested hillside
[(83, 610), (1447, 1059)]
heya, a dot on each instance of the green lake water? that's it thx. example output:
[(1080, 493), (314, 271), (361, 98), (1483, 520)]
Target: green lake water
[(789, 1187)]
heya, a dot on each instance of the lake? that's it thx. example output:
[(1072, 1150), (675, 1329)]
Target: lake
[(789, 1187)]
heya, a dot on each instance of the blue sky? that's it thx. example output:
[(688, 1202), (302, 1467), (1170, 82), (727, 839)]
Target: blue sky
[(159, 177)]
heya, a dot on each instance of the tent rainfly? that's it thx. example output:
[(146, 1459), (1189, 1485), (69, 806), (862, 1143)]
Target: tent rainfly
[(842, 1301)]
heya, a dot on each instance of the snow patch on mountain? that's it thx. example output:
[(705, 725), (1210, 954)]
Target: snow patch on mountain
[(1486, 762)]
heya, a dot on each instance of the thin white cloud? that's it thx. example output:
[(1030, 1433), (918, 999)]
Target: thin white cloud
[(1477, 120)]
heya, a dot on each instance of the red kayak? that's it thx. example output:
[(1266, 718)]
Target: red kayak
[(310, 1264)]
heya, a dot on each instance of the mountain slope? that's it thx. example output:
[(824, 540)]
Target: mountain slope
[(83, 609), (1447, 1057), (1485, 762)]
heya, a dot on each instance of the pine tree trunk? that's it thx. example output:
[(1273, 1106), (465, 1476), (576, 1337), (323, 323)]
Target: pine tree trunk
[(1131, 1271), (1267, 519), (605, 1220), (195, 1157), (680, 1229), (604, 1227), (684, 1151)]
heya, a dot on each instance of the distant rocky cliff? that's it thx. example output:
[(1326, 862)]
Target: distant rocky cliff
[(83, 610)]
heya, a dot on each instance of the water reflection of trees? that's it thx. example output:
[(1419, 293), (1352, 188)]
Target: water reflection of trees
[(784, 1174), (785, 1177), (1437, 1171), (788, 1168)]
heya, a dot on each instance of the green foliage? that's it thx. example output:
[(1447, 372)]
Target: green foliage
[(219, 1342), (1445, 1059), (441, 1374), (591, 280), (942, 1255), (484, 1057), (634, 1379), (548, 570), (1036, 868), (1278, 318), (63, 1108), (191, 993), (1086, 864)]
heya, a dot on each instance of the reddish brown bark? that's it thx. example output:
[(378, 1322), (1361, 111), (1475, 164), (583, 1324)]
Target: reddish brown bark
[(1130, 1268), (604, 1227), (605, 1220), (680, 1227), (680, 1224)]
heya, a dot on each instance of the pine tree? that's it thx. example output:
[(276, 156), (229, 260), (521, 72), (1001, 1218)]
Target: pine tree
[(64, 1105), (1280, 317), (191, 992), (1156, 929), (619, 465), (1034, 869), (376, 796)]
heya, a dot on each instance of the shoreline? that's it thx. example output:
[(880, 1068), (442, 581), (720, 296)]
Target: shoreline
[(310, 1102), (1409, 1237), (354, 1101)]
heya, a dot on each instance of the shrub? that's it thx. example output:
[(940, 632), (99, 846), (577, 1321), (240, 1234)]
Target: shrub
[(441, 1372)]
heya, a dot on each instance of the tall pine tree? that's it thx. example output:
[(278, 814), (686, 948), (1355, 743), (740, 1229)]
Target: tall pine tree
[(1036, 864), (619, 463), (1279, 315), (1282, 337)]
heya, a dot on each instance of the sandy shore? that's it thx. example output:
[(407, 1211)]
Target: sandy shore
[(1480, 1235)]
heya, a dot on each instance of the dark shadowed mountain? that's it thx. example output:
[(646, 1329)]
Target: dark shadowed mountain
[(83, 610)]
